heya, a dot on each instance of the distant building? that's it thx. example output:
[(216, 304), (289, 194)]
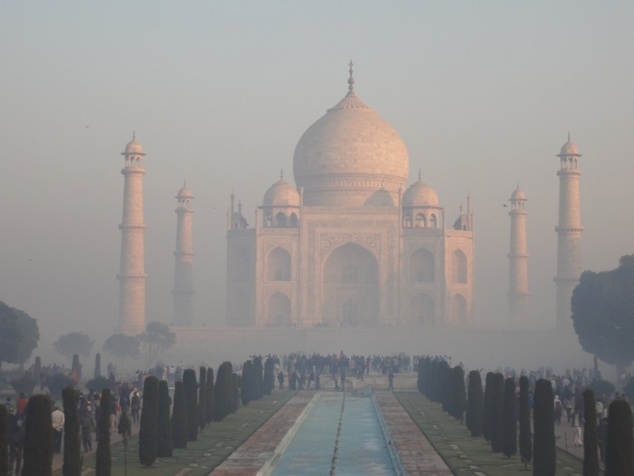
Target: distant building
[(569, 232), (518, 259), (350, 244), (132, 275)]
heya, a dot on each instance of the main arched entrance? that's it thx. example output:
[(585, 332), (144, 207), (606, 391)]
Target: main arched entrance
[(350, 288)]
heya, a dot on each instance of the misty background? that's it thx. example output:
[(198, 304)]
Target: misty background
[(219, 93)]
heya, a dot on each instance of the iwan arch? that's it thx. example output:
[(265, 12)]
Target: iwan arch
[(352, 244)]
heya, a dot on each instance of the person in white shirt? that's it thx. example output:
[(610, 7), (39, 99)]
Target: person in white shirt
[(57, 418)]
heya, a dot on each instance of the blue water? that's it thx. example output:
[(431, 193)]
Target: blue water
[(361, 450)]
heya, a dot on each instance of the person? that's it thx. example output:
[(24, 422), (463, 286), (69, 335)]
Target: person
[(280, 379), (602, 434), (576, 424), (16, 443), (87, 426), (135, 406), (390, 378), (57, 418), (20, 404), (558, 409)]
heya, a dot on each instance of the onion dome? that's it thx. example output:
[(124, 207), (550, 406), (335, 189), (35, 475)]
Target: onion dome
[(569, 149), (518, 194), (281, 194), (185, 192), (133, 147), (348, 154), (419, 194)]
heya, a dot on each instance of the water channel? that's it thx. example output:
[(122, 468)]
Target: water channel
[(341, 433)]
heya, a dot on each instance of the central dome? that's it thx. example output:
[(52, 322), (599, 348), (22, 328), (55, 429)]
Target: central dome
[(348, 155)]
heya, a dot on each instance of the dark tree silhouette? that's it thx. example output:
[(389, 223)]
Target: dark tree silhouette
[(269, 375), (72, 444), (164, 444), (191, 397), (475, 404), (4, 441), (526, 435), (18, 335), (148, 432), (619, 449), (509, 425), (223, 391), (591, 464), (103, 463), (258, 388), (97, 373), (38, 442), (497, 413), (74, 343), (458, 394), (179, 417), (544, 452), (488, 408), (202, 399), (603, 313), (247, 382), (210, 395)]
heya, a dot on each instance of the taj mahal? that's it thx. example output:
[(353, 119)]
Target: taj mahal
[(352, 244)]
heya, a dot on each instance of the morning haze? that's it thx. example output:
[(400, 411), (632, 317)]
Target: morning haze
[(219, 94)]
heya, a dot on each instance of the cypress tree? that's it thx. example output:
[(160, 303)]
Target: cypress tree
[(223, 391), (72, 444), (526, 436), (544, 452), (148, 431), (247, 382), (475, 404), (269, 376), (164, 444), (38, 440), (202, 399), (210, 395), (4, 440), (487, 408), (235, 394), (619, 449), (103, 461), (97, 365), (497, 413), (37, 370), (459, 393), (76, 367), (591, 464), (509, 425), (179, 417), (191, 396), (258, 379)]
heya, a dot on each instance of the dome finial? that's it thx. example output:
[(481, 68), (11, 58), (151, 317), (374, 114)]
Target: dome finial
[(350, 79), (133, 135), (281, 174), (568, 136), (419, 175)]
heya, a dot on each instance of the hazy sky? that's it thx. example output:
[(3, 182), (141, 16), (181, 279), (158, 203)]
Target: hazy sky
[(483, 93)]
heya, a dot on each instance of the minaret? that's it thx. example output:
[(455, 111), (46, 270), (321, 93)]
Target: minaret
[(183, 260), (132, 275), (518, 259), (568, 231)]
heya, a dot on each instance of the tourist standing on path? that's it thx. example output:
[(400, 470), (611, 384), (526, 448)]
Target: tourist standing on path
[(57, 418), (280, 379), (135, 405), (390, 379), (87, 427)]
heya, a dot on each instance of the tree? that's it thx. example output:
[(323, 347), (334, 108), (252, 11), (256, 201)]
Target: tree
[(76, 367), (497, 413), (19, 335), (156, 339), (269, 376), (122, 346), (38, 444), (474, 404), (164, 445), (619, 449), (4, 440), (258, 389), (247, 382), (459, 393), (210, 395), (590, 435), (179, 417), (526, 435), (72, 445), (628, 389), (148, 431), (191, 397), (509, 430), (487, 408), (97, 373), (74, 343), (103, 462), (223, 391), (544, 451), (202, 398), (603, 313)]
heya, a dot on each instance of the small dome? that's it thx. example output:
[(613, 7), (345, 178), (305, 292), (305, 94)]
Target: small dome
[(133, 147), (569, 149), (185, 192), (419, 194), (281, 194), (518, 194)]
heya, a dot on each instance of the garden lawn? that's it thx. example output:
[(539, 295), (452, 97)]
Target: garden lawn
[(215, 443), (464, 454)]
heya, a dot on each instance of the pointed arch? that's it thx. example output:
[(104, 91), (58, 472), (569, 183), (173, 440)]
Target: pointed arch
[(278, 265), (459, 267)]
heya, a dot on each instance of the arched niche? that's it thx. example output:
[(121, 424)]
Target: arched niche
[(278, 265), (422, 266)]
